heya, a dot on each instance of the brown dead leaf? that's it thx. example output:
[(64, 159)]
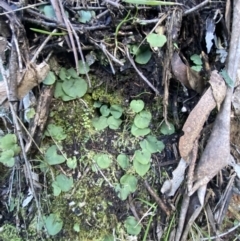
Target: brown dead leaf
[(195, 80), (218, 87), (216, 154), (199, 115), (187, 76), (33, 76), (179, 70)]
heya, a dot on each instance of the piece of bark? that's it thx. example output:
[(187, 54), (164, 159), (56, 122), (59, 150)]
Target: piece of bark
[(200, 113)]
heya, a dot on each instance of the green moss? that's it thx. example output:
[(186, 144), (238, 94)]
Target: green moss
[(100, 94)]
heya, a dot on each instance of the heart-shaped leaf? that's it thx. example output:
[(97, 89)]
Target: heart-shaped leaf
[(52, 157)]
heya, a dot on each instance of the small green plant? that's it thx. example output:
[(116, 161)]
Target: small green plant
[(85, 16), (197, 62), (8, 149), (123, 161), (167, 129), (137, 105), (142, 54), (50, 78), (141, 123), (141, 161), (53, 224), (72, 162), (128, 184), (103, 160), (62, 184), (156, 40), (110, 117), (56, 132), (52, 157), (227, 78), (132, 226), (151, 144), (71, 86)]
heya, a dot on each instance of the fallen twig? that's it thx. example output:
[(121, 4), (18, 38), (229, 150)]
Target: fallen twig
[(140, 73), (159, 201)]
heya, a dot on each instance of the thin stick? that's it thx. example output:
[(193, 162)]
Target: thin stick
[(157, 198), (42, 46), (81, 53), (194, 9), (19, 9), (139, 73)]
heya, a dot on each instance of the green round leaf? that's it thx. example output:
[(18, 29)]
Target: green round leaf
[(137, 105), (139, 132), (75, 88), (64, 182), (143, 57), (76, 227), (50, 78), (156, 40), (8, 142), (116, 111), (129, 181), (64, 75), (104, 110), (72, 72), (83, 68), (7, 158), (113, 123), (132, 226), (122, 192), (143, 156), (56, 132), (140, 168), (84, 16), (52, 156), (53, 224), (167, 129), (142, 120), (152, 144), (58, 92), (197, 68), (103, 160), (72, 162), (100, 123), (196, 59), (97, 104), (49, 11), (123, 161), (56, 189)]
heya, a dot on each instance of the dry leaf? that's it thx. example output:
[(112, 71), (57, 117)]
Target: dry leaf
[(195, 80), (199, 115), (179, 70), (218, 87), (33, 76), (216, 154), (187, 76)]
